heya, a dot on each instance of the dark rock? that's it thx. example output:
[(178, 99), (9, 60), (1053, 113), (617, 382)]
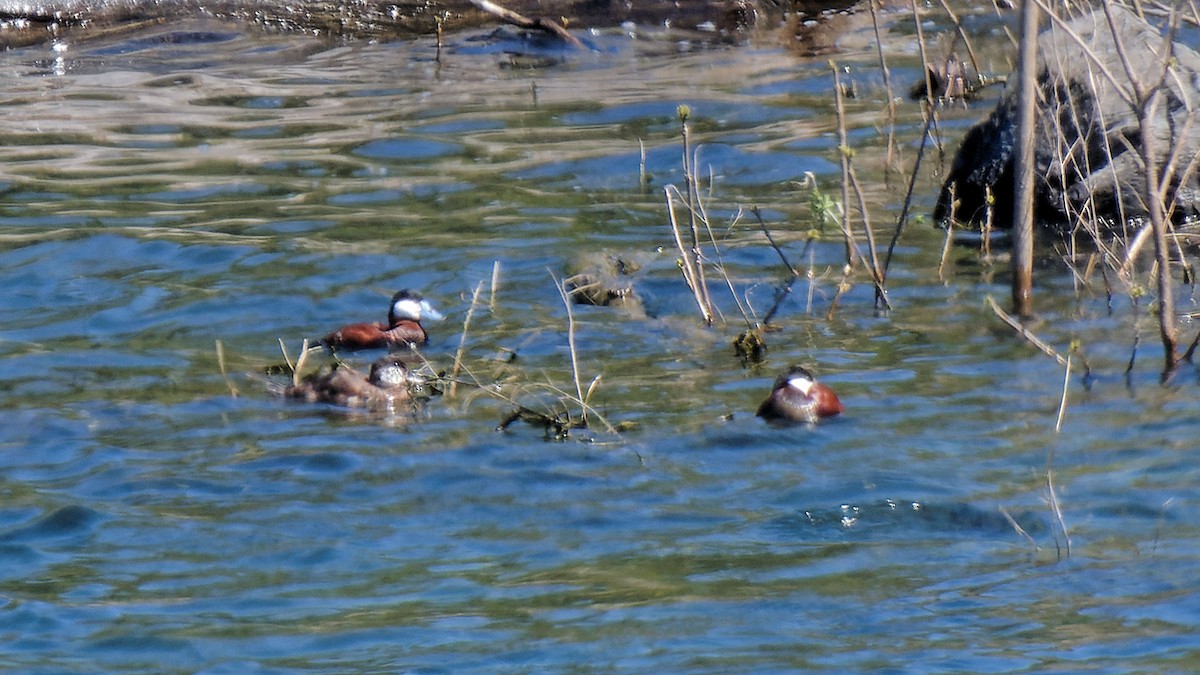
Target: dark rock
[(1087, 141), (607, 280)]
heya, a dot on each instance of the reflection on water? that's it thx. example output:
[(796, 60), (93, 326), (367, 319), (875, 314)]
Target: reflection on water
[(167, 191)]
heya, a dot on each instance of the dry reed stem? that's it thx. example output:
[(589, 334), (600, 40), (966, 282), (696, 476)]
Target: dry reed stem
[(495, 286), (812, 287), (233, 390), (1145, 103), (1020, 530), (873, 5), (694, 206), (462, 342), (985, 240), (566, 298), (703, 219), (945, 253), (720, 263), (771, 241), (902, 220), (961, 34), (1061, 25), (929, 99), (643, 180), (688, 264), (1062, 403), (850, 179), (786, 288), (564, 396), (521, 21), (1025, 333), (1024, 164), (1056, 509), (1137, 341), (842, 287), (949, 232)]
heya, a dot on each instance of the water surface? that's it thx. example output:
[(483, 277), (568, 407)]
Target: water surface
[(164, 192)]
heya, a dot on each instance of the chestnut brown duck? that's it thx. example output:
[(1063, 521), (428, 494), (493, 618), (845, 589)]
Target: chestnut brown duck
[(403, 327), (798, 397)]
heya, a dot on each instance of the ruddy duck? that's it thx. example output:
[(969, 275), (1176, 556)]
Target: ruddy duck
[(403, 326), (798, 397), (383, 389)]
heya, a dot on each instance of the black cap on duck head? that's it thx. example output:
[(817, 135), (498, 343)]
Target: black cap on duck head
[(796, 376)]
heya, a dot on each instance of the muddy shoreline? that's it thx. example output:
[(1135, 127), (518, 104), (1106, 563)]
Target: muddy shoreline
[(25, 23)]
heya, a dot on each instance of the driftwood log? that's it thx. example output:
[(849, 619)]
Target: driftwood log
[(1087, 140)]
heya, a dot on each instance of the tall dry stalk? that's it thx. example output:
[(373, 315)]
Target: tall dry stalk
[(689, 181), (570, 341), (690, 260), (462, 342), (850, 180), (1023, 164), (874, 6), (916, 14), (1146, 99), (691, 257), (1143, 90), (233, 390), (902, 219)]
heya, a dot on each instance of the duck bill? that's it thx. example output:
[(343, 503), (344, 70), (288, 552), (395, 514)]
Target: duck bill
[(428, 312)]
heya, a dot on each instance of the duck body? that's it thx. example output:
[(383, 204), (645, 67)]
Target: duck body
[(368, 335), (384, 389), (403, 327), (797, 397)]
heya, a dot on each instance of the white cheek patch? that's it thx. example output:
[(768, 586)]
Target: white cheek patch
[(407, 308), (802, 383)]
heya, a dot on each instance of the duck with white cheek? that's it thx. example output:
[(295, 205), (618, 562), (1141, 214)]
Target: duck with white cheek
[(403, 327)]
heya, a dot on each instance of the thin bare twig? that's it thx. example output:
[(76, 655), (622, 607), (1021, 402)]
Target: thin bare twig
[(233, 390), (771, 240), (1020, 530), (693, 200), (902, 220), (495, 285), (962, 35), (850, 179), (522, 21), (566, 298), (1062, 403), (784, 290), (1056, 509), (873, 5), (924, 57), (462, 342), (1025, 332), (688, 263)]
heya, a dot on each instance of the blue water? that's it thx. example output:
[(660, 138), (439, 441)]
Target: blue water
[(164, 511)]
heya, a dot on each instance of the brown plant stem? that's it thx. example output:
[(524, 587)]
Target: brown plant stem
[(462, 343), (1023, 164), (850, 179), (522, 21), (1025, 333)]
